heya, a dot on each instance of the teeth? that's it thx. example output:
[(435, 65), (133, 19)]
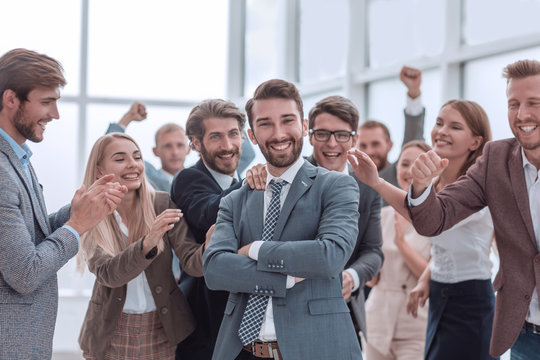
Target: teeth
[(281, 147), (528, 128), (331, 154), (131, 176)]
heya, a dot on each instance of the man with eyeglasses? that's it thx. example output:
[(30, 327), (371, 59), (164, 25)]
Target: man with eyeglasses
[(331, 133)]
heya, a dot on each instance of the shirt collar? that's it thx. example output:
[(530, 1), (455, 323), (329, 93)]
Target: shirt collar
[(23, 152), (224, 181), (289, 174)]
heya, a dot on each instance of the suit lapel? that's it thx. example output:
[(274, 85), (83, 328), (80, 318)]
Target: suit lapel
[(255, 204), (519, 186), (37, 192), (301, 183), (32, 192)]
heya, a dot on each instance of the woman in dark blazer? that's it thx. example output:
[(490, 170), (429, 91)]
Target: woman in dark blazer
[(136, 309)]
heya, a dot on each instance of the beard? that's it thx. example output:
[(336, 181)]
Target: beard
[(284, 160), (209, 159), (24, 126)]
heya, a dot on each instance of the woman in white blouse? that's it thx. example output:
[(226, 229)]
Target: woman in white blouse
[(136, 309), (391, 332), (460, 291)]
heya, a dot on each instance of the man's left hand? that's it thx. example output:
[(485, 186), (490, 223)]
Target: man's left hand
[(348, 284)]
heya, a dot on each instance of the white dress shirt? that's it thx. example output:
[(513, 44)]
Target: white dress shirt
[(532, 179), (139, 299), (224, 181), (268, 331)]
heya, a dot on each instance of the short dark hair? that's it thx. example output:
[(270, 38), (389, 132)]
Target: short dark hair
[(338, 106), (24, 70), (521, 69), (273, 89), (217, 108), (373, 124)]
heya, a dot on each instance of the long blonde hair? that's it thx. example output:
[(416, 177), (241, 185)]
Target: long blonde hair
[(107, 234)]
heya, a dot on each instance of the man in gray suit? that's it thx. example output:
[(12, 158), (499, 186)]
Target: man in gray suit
[(374, 137), (331, 133), (34, 245), (280, 253)]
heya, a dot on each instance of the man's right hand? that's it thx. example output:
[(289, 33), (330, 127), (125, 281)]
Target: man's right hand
[(89, 207), (256, 177), (425, 168), (412, 78), (137, 112)]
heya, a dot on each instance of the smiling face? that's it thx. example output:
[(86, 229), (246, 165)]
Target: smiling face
[(331, 155), (33, 115), (122, 158), (524, 111), (221, 145), (376, 144), (278, 130), (403, 167), (451, 137)]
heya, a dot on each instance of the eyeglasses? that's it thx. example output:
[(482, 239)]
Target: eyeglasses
[(341, 136)]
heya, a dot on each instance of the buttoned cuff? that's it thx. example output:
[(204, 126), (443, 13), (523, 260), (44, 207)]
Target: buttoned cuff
[(419, 200), (77, 236), (356, 279), (414, 106), (254, 249)]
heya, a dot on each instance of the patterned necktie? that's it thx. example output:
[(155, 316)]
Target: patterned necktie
[(256, 306)]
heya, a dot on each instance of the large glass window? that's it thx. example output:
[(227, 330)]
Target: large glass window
[(400, 30), (490, 20), (323, 39), (48, 27), (265, 42), (161, 49)]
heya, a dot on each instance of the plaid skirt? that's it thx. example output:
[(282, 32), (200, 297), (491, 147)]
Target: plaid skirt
[(138, 337)]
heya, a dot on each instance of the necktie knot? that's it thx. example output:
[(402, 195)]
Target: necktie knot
[(276, 187)]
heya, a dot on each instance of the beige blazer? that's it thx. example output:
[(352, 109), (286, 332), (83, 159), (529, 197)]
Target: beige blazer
[(386, 313), (114, 272)]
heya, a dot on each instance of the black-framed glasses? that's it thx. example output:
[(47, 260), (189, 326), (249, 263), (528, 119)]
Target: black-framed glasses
[(341, 136)]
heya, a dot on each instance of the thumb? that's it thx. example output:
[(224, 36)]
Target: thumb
[(444, 163)]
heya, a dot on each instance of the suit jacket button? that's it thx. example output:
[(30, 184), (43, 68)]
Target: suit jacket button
[(403, 286), (269, 266), (527, 297), (164, 310), (119, 299), (159, 289), (271, 291)]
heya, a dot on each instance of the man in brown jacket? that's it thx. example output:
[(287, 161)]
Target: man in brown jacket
[(504, 178)]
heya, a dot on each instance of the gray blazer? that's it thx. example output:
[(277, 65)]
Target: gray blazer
[(32, 249), (313, 239)]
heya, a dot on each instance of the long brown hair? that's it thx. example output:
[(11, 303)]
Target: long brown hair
[(477, 120), (107, 234)]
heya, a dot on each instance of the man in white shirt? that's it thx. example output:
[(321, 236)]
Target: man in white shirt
[(504, 178), (280, 252)]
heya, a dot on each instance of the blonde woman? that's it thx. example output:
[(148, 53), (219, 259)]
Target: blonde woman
[(136, 309)]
